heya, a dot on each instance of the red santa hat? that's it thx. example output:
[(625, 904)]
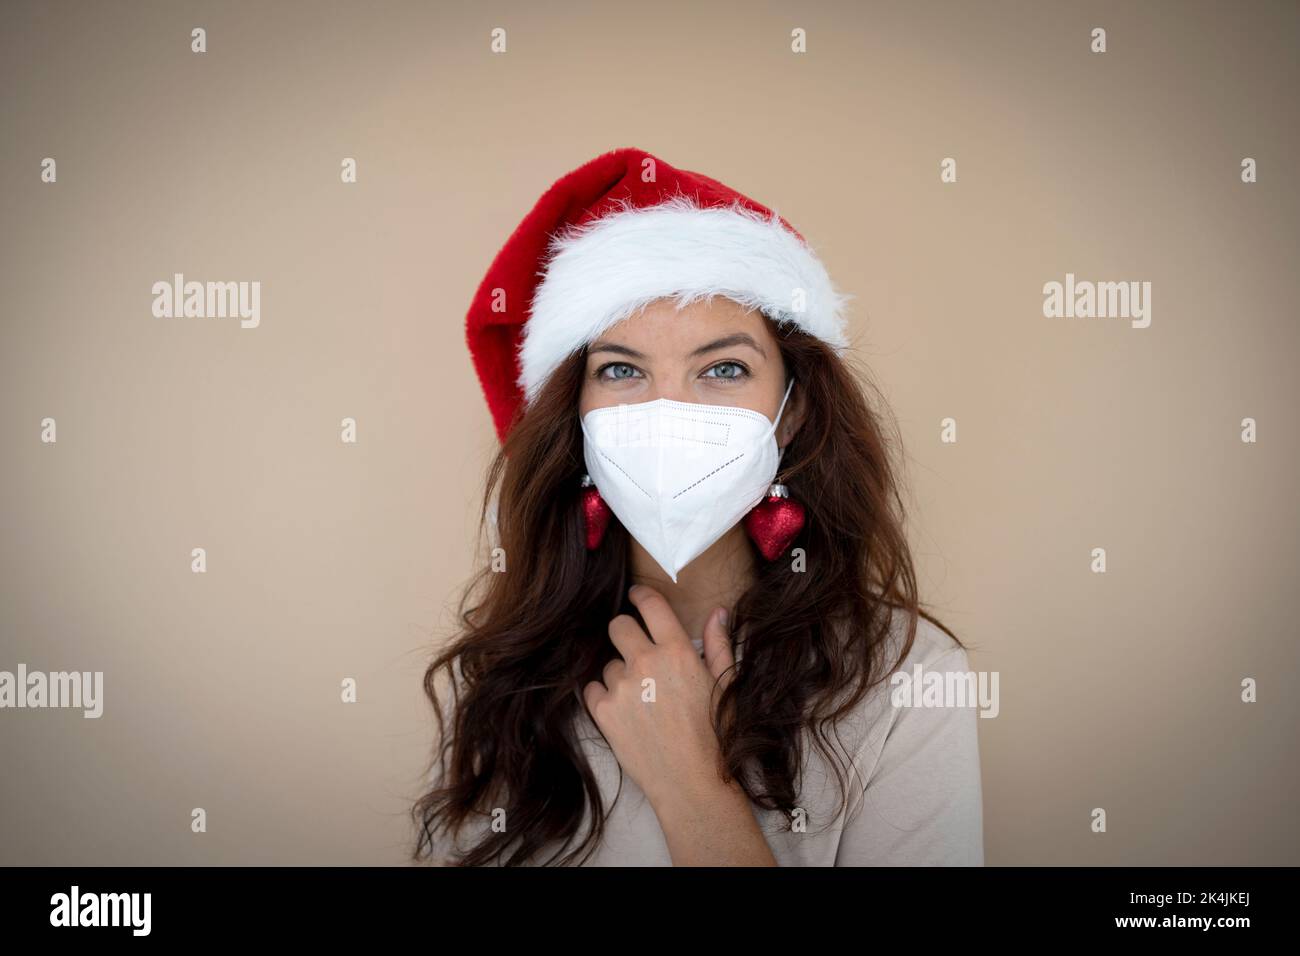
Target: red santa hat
[(612, 236)]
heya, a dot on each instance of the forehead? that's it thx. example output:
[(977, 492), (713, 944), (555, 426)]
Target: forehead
[(661, 324)]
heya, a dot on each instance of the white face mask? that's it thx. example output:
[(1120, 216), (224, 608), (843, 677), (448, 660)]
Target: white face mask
[(679, 475)]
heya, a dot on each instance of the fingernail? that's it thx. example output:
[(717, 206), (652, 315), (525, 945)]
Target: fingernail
[(722, 617)]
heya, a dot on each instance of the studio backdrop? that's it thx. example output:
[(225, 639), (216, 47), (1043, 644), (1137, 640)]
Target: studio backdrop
[(1070, 232)]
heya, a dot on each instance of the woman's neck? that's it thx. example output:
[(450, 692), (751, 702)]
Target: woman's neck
[(719, 576)]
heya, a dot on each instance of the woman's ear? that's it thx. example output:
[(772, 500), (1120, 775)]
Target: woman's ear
[(791, 418)]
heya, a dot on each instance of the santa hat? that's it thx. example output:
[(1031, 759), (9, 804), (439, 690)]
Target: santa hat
[(615, 234)]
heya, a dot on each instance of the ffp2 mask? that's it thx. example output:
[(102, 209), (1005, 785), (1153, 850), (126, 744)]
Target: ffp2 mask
[(679, 475)]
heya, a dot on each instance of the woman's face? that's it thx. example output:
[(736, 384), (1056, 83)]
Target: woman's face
[(709, 353)]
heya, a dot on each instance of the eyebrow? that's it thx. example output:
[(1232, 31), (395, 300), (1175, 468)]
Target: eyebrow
[(739, 338), (611, 347)]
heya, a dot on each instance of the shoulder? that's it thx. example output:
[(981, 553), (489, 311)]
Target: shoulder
[(933, 657), (916, 654), (919, 786), (910, 640), (931, 645)]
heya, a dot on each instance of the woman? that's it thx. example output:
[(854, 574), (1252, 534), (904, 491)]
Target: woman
[(680, 650)]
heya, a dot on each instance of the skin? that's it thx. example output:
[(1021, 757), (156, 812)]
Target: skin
[(714, 353)]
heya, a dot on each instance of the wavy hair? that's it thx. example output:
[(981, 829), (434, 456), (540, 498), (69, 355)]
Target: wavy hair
[(814, 643)]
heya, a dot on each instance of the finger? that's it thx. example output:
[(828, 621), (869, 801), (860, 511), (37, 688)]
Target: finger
[(658, 615), (614, 670), (627, 637), (593, 694), (719, 656)]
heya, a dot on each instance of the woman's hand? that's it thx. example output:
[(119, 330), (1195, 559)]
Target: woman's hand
[(655, 706)]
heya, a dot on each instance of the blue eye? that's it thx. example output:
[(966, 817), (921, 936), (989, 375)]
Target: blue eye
[(736, 370), (616, 371)]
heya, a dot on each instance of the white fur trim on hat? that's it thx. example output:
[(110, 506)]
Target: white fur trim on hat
[(598, 274)]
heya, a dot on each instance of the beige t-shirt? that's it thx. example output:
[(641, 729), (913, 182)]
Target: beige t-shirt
[(923, 802)]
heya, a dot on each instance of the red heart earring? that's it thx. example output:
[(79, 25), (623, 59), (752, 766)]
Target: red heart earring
[(595, 513), (775, 522)]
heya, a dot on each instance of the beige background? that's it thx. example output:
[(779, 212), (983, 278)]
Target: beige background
[(328, 561)]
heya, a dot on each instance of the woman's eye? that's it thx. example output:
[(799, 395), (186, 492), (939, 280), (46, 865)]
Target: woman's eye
[(727, 370), (617, 371)]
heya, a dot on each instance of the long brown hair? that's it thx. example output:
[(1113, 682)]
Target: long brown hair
[(814, 642)]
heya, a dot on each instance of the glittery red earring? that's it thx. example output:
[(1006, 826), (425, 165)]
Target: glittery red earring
[(775, 522), (595, 513)]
